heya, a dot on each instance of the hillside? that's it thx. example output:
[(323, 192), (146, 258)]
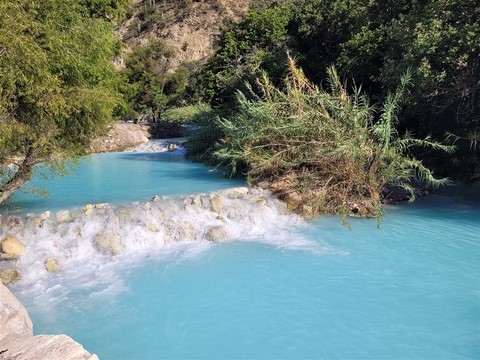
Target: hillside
[(188, 27)]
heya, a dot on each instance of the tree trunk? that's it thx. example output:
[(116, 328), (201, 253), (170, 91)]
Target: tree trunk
[(23, 174)]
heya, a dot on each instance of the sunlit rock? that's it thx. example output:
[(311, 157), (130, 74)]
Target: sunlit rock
[(236, 193), (216, 204), (18, 343), (88, 209), (196, 200), (11, 245), (259, 200), (8, 276), (63, 216), (216, 233), (45, 215), (109, 243), (156, 198), (255, 191), (51, 265)]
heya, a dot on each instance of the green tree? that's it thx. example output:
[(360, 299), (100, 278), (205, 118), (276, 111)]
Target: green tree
[(58, 85)]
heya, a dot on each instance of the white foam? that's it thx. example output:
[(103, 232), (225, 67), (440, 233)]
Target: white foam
[(161, 229)]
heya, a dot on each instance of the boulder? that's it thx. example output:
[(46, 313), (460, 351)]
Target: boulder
[(255, 191), (13, 222), (36, 222), (100, 206), (196, 201), (156, 198), (17, 340), (63, 216), (11, 245), (216, 233), (216, 204), (236, 193), (109, 243), (8, 276), (45, 215), (51, 265), (88, 209)]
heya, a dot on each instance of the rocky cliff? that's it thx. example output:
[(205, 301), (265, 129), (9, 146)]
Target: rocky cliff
[(18, 343)]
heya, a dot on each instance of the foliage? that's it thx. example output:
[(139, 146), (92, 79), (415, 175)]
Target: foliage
[(192, 114), (321, 150), (58, 85), (255, 44), (147, 68)]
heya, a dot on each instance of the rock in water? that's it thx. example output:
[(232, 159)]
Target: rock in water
[(216, 204), (109, 243), (216, 233), (51, 265), (8, 276), (11, 245), (17, 340), (237, 193), (63, 216)]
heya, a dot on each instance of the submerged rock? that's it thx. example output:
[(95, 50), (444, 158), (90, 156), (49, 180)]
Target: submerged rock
[(109, 243), (11, 245), (8, 276), (18, 343), (216, 233)]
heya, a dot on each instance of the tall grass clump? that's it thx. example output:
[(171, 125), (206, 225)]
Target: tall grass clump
[(321, 150)]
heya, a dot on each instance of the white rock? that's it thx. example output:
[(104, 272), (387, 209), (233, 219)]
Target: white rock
[(18, 343), (51, 265), (63, 216), (109, 243), (216, 204), (101, 205), (45, 215), (216, 233), (11, 245), (88, 209), (8, 276), (236, 193)]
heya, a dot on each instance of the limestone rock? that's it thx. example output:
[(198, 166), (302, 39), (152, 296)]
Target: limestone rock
[(101, 206), (14, 320), (8, 276), (216, 233), (36, 222), (196, 201), (109, 243), (255, 191), (63, 216), (18, 343), (51, 265), (236, 193), (11, 245), (216, 204), (88, 209), (45, 215)]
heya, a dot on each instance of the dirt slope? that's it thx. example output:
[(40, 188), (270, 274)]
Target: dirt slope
[(190, 27)]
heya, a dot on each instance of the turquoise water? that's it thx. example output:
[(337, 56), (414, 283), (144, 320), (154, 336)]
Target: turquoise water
[(120, 178), (312, 290)]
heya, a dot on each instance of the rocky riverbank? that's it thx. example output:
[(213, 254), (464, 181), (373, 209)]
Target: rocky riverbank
[(18, 343), (37, 246), (126, 136)]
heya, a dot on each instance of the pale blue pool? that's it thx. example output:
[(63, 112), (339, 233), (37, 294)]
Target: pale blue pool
[(410, 290)]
